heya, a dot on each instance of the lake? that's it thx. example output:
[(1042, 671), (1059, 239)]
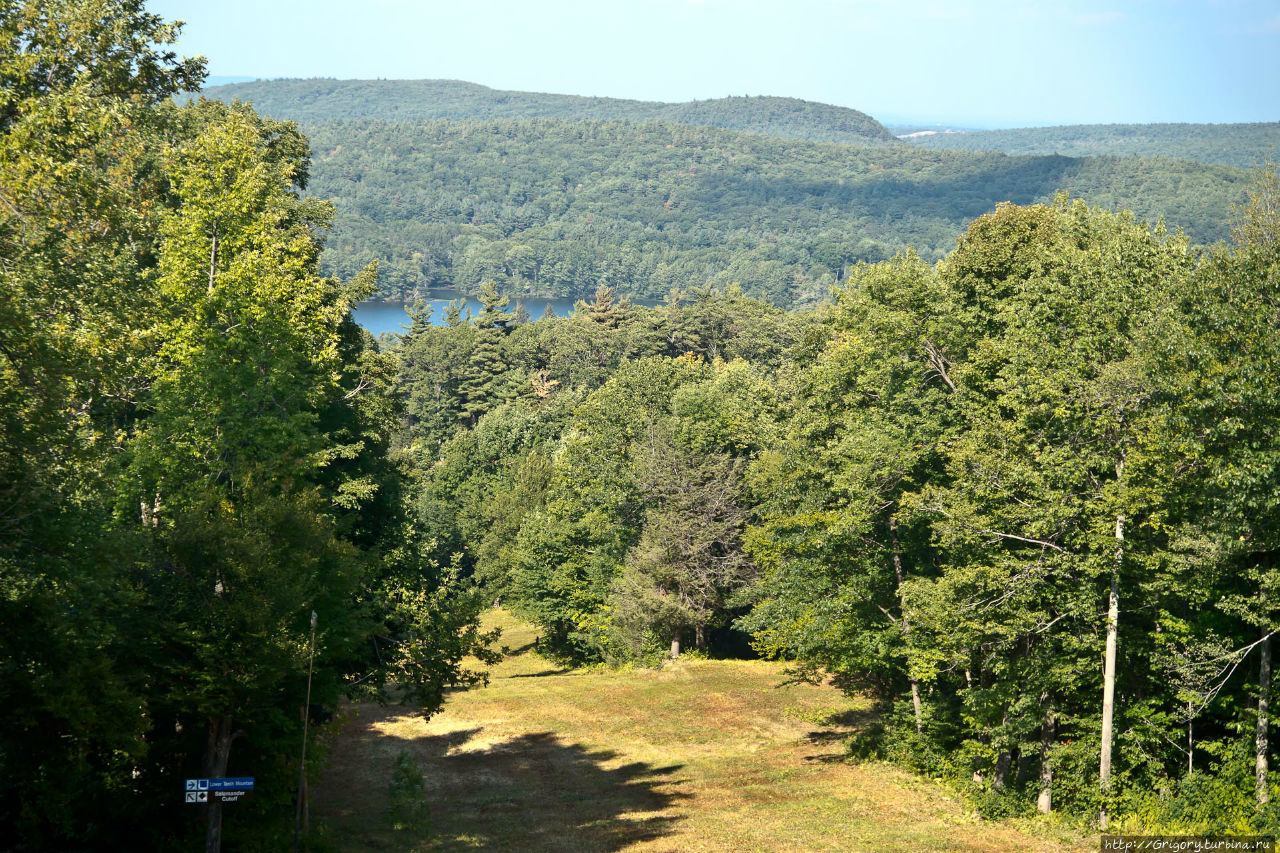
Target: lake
[(379, 317)]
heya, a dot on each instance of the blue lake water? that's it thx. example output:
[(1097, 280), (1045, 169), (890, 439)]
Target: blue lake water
[(379, 317)]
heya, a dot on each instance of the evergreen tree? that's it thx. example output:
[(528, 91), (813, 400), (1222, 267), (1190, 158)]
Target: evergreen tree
[(688, 563), (483, 387)]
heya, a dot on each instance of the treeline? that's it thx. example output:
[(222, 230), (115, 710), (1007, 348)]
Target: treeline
[(555, 208), (319, 100), (195, 483), (1023, 498), (1244, 146)]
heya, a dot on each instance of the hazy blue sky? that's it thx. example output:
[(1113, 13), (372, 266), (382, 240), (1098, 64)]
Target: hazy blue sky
[(992, 62)]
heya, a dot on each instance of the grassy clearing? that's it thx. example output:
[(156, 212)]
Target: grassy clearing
[(698, 755)]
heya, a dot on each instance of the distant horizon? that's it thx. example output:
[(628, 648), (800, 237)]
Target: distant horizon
[(989, 64), (891, 121)]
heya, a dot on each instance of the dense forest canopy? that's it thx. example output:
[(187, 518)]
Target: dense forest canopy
[(455, 100), (650, 200), (951, 491), (1245, 146), (193, 457)]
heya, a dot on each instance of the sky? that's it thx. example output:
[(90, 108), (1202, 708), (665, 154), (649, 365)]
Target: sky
[(947, 62)]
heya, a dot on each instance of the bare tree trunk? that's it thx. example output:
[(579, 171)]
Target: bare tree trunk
[(1005, 757), (1191, 752), (1044, 802), (1109, 672), (700, 636), (1001, 772), (1264, 689), (217, 752), (983, 737), (906, 626), (675, 644), (213, 258), (915, 703)]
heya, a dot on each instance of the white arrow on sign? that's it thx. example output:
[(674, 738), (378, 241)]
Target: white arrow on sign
[(191, 784), (191, 797)]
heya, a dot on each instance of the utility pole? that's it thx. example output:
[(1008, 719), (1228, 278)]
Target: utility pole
[(306, 722)]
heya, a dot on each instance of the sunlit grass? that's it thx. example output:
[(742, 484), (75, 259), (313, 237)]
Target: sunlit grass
[(697, 755)]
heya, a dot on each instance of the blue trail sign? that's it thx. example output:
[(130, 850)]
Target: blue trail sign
[(225, 788)]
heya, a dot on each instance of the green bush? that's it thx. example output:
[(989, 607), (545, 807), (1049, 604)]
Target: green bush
[(408, 800)]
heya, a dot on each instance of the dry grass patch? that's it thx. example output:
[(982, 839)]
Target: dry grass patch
[(698, 755)]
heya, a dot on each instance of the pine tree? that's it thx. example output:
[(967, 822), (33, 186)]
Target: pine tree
[(483, 389)]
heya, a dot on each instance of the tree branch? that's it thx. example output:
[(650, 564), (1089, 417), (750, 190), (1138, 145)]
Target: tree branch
[(1040, 542)]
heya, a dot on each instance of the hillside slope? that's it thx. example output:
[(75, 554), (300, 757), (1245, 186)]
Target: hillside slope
[(554, 207), (447, 184), (698, 755), (1243, 145), (418, 100)]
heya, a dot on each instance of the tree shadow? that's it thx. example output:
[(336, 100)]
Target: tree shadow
[(838, 730), (535, 792), (542, 674), (532, 792)]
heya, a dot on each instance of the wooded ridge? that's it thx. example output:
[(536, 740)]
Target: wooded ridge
[(455, 100), (1245, 145), (555, 206)]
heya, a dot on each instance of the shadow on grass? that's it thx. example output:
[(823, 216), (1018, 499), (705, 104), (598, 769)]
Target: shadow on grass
[(542, 674), (535, 792), (837, 730)]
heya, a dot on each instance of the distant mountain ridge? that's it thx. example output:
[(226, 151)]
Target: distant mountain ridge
[(551, 208), (326, 99), (448, 184), (1242, 145)]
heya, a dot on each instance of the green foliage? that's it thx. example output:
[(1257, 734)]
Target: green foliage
[(977, 451), (930, 477), (419, 100), (195, 452), (688, 563), (548, 494), (935, 482), (558, 207), (1244, 146), (406, 795), (448, 185)]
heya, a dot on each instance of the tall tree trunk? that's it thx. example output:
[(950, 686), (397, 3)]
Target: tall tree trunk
[(915, 703), (213, 257), (984, 734), (1109, 672), (1001, 773), (700, 636), (1003, 759), (906, 626), (675, 644), (1044, 802), (1191, 750), (1260, 743), (217, 752)]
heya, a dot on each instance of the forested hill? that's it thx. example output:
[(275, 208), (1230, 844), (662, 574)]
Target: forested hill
[(448, 184), (556, 207), (415, 100), (1243, 145)]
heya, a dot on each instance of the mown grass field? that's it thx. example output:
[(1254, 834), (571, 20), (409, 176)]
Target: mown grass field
[(698, 755)]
